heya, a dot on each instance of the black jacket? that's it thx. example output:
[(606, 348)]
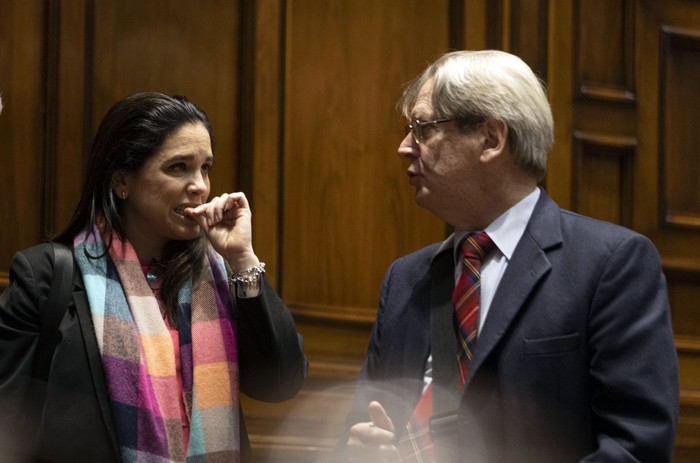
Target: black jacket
[(76, 422)]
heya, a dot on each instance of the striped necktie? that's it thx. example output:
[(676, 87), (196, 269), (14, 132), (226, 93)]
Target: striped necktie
[(466, 295), (416, 444)]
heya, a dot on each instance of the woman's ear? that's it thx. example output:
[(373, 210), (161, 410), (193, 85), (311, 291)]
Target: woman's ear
[(496, 139), (120, 184)]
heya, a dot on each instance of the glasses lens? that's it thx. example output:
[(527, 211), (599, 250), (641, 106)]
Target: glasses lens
[(416, 130), (410, 128)]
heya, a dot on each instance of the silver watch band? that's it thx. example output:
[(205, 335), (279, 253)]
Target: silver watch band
[(248, 283)]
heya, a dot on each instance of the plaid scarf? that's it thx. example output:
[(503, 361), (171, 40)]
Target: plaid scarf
[(139, 360)]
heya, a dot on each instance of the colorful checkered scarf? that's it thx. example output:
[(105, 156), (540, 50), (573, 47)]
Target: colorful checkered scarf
[(139, 359)]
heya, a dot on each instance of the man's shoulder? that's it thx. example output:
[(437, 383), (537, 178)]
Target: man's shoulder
[(415, 264), (425, 254), (599, 237), (575, 224)]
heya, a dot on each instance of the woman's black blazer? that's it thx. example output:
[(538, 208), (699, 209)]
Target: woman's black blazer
[(74, 423)]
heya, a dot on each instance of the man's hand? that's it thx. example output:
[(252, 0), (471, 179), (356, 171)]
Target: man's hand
[(373, 441)]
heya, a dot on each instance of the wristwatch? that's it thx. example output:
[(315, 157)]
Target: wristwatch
[(248, 283)]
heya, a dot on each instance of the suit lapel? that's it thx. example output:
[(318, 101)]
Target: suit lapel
[(443, 338), (527, 267)]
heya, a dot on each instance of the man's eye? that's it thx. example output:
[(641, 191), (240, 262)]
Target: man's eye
[(427, 129)]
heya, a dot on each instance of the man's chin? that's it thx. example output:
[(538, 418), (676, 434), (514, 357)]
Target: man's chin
[(421, 197)]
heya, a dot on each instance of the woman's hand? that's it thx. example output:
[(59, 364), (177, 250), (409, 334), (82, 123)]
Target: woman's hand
[(226, 221)]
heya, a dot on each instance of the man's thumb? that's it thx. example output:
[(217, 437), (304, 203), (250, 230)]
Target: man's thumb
[(379, 417)]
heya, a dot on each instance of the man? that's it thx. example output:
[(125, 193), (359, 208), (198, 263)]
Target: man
[(569, 352)]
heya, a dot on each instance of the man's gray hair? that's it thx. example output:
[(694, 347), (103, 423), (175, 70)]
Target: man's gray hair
[(478, 85)]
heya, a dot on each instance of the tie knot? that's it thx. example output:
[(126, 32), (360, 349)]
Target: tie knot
[(477, 245)]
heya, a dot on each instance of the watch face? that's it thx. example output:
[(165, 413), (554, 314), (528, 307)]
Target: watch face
[(248, 282)]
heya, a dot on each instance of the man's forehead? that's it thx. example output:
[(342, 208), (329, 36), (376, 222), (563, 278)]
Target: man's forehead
[(423, 105)]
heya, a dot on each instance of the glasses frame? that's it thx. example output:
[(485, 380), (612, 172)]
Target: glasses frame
[(416, 127)]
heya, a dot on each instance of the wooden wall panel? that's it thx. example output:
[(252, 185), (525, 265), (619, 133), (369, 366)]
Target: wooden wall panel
[(679, 216), (68, 131), (680, 102), (528, 37), (348, 209), (685, 287), (605, 25), (260, 147), (187, 48), (22, 127), (603, 177), (476, 24), (561, 94)]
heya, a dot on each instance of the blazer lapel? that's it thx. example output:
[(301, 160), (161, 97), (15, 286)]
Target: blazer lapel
[(527, 267), (82, 308)]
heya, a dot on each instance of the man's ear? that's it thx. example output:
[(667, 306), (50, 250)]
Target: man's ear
[(496, 139)]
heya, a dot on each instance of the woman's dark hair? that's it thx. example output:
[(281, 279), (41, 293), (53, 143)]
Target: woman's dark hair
[(130, 133)]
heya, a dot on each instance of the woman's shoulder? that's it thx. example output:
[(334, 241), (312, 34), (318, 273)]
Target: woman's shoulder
[(38, 255), (37, 261), (31, 273)]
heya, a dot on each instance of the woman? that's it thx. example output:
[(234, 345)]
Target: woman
[(171, 314)]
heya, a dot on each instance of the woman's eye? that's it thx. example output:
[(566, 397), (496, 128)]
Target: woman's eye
[(179, 167)]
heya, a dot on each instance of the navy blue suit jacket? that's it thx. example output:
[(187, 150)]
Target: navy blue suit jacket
[(576, 359)]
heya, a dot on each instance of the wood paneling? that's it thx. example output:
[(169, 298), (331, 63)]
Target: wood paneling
[(603, 177), (605, 25), (22, 126), (679, 101), (262, 107), (187, 48), (70, 132), (528, 34), (348, 209)]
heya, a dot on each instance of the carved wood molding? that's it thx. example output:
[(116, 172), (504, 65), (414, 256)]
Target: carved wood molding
[(605, 76), (609, 156), (334, 314), (679, 52)]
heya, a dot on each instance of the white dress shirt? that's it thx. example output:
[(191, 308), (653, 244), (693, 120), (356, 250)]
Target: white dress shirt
[(505, 232)]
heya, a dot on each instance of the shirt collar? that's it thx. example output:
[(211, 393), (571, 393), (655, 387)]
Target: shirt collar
[(505, 231)]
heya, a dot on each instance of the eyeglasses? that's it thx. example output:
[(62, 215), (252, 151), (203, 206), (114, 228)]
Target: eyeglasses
[(417, 128)]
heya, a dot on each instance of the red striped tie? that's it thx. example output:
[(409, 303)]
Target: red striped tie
[(465, 298), (416, 445)]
